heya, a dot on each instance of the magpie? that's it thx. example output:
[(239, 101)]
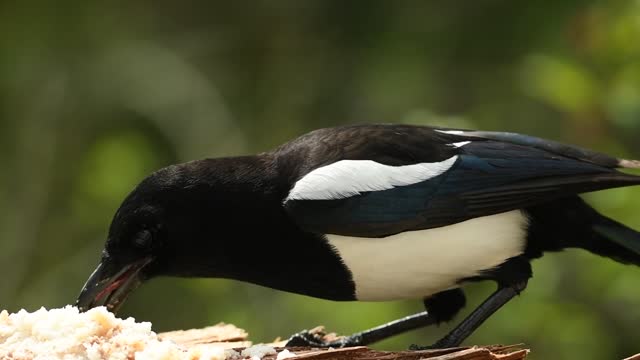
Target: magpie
[(369, 212)]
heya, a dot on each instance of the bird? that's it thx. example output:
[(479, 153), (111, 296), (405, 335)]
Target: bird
[(369, 212)]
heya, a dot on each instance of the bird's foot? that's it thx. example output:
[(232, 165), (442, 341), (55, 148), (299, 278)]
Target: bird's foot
[(414, 347), (442, 344), (318, 338)]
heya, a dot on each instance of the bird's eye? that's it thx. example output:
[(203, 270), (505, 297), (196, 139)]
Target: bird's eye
[(143, 239)]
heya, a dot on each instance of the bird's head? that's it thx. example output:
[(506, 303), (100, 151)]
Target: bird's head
[(169, 225)]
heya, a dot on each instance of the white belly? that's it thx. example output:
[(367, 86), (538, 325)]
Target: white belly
[(420, 263)]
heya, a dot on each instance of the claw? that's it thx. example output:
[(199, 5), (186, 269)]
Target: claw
[(438, 345), (318, 338), (306, 338), (414, 347)]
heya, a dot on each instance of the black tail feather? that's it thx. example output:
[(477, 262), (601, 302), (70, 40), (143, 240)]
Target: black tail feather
[(621, 235), (572, 223), (616, 241)]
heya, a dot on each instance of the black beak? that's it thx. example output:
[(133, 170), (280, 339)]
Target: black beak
[(110, 284)]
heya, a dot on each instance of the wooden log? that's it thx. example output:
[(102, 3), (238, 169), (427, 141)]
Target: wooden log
[(231, 337), (221, 335)]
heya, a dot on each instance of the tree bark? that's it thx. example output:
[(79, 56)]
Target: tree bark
[(231, 337)]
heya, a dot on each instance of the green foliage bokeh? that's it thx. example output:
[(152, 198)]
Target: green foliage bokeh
[(96, 95)]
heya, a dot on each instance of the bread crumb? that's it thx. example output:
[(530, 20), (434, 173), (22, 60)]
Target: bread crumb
[(68, 334), (258, 351), (285, 354)]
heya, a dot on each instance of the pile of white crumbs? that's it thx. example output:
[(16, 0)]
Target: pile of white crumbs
[(97, 334)]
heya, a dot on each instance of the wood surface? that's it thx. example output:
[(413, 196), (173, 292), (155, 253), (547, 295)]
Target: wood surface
[(231, 337)]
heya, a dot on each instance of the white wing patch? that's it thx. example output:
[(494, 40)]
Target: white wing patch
[(348, 178), (455, 132), (452, 132), (460, 144)]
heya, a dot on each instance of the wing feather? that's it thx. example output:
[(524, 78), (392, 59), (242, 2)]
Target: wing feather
[(491, 174)]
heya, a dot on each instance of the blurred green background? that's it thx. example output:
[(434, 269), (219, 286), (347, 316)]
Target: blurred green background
[(96, 95)]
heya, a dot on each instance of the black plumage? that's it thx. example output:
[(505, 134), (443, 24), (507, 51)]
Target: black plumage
[(271, 219), (490, 177)]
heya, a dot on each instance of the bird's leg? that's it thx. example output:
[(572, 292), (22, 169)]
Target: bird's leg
[(307, 338), (441, 307), (477, 317), (516, 273)]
